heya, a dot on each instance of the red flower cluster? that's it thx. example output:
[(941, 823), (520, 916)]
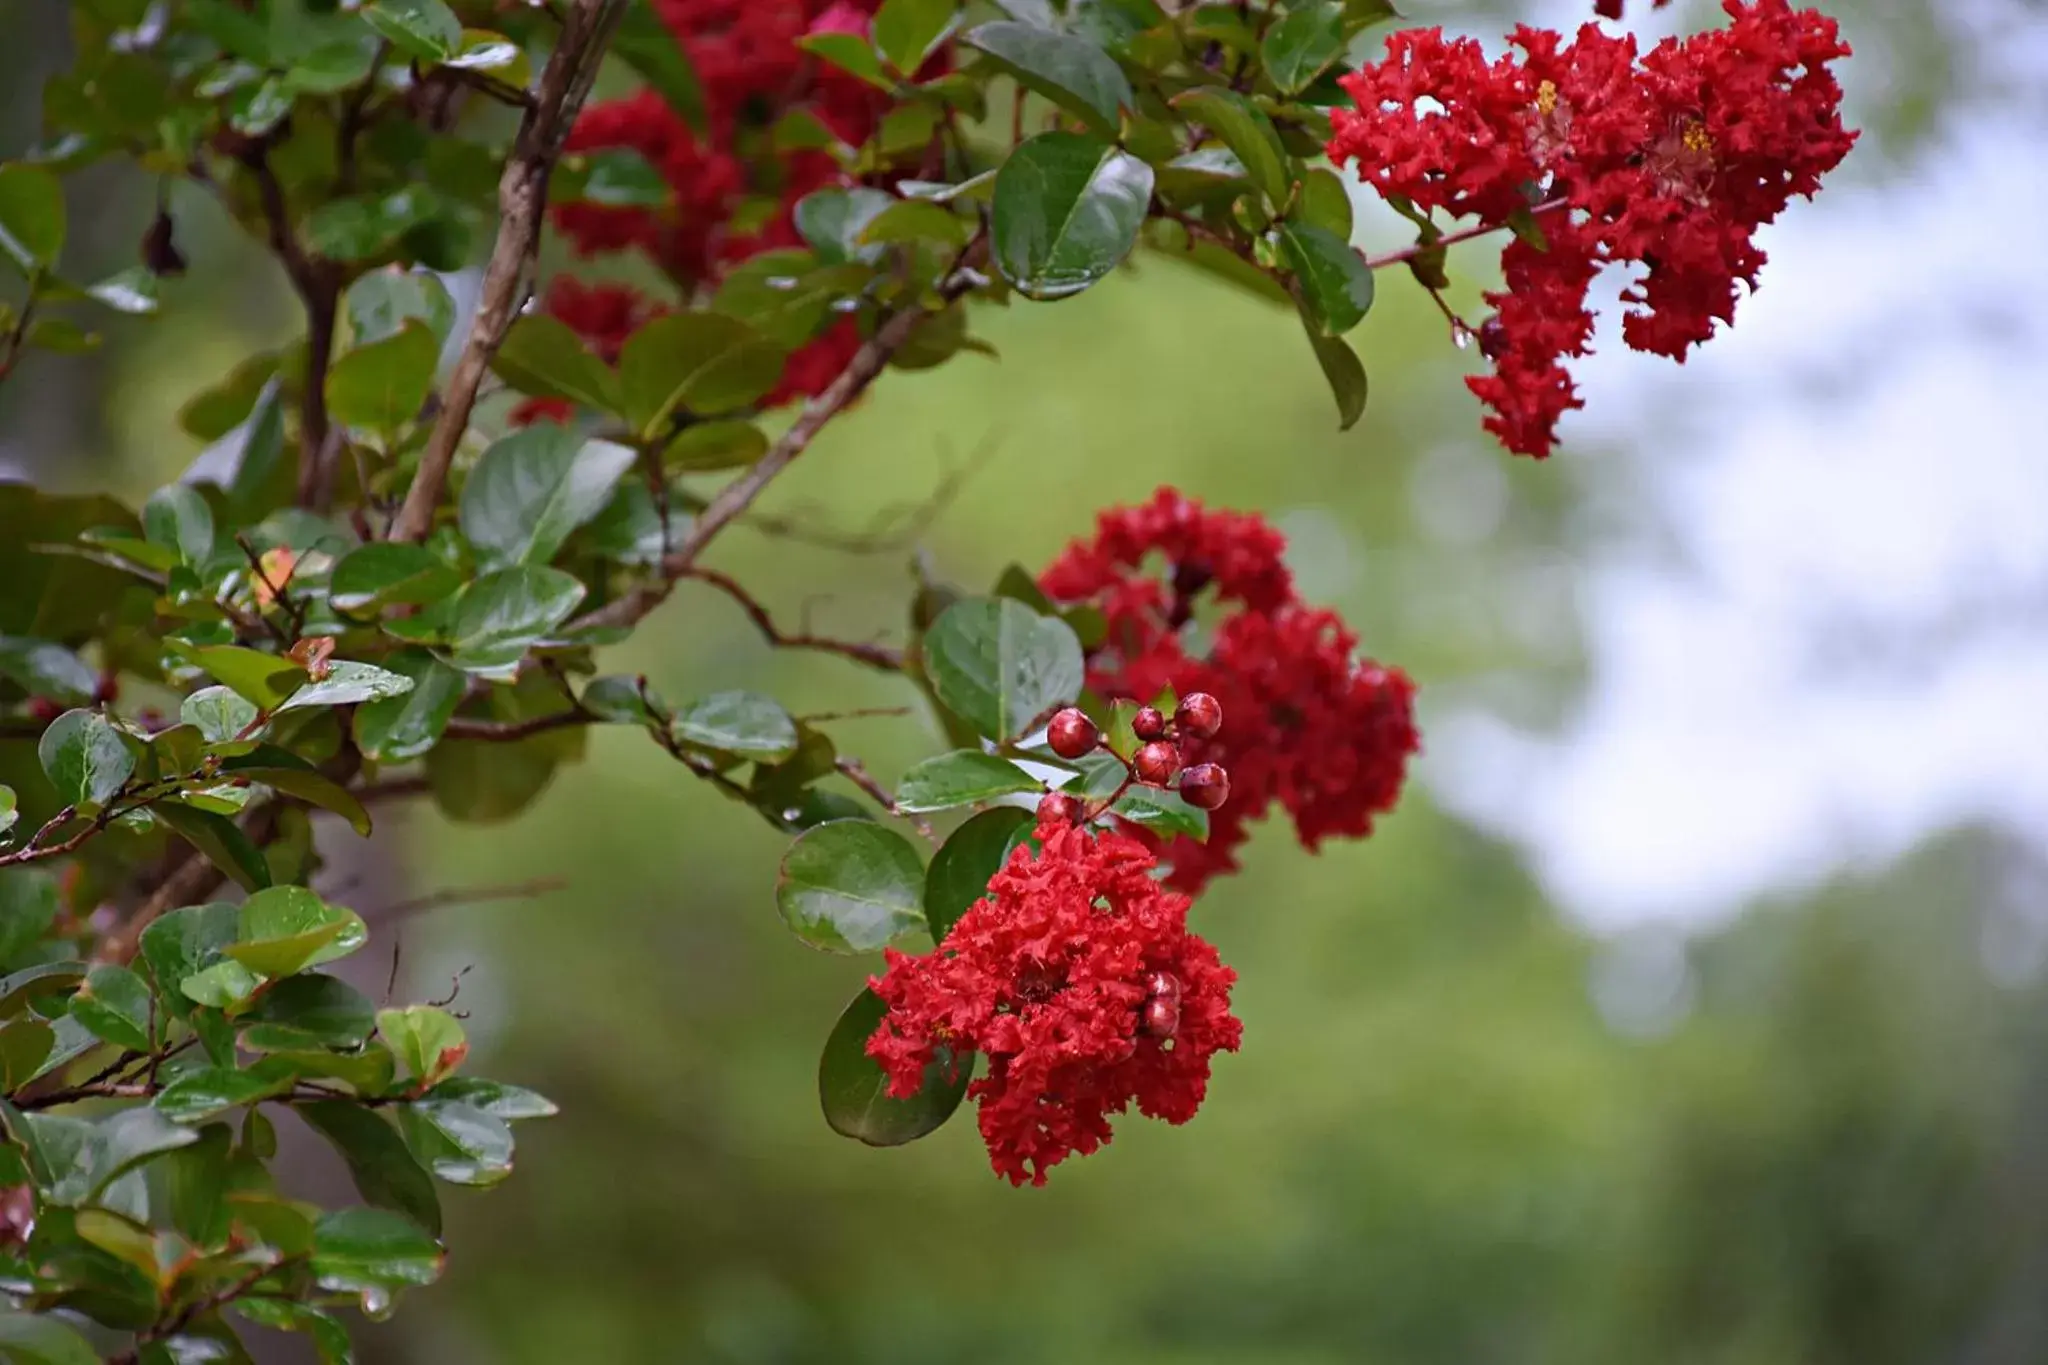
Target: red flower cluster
[(1672, 161), (1308, 727), (731, 195), (1079, 981)]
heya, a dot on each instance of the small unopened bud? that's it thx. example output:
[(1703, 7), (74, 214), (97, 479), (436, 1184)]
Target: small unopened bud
[(1206, 786), (1148, 724), (1160, 1017), (1058, 808), (1072, 734), (1199, 715), (1155, 763)]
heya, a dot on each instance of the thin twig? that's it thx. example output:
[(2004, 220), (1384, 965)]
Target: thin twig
[(855, 773), (896, 528), (874, 656), (522, 197), (465, 895), (465, 727)]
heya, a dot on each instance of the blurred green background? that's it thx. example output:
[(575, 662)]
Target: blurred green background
[(1809, 1127)]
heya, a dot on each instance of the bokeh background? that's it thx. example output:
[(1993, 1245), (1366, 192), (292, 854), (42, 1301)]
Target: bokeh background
[(1689, 1009)]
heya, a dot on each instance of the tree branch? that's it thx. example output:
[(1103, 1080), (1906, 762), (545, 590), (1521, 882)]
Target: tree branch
[(465, 895), (874, 656), (522, 198), (737, 496)]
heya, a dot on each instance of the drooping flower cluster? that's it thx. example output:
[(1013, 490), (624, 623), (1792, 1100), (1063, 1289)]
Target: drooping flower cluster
[(1671, 162), (732, 190), (1079, 982), (1310, 727)]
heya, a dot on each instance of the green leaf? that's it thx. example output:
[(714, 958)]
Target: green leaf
[(960, 778), (459, 1143), (1301, 46), (620, 700), (705, 363), (477, 781), (389, 573), (617, 177), (532, 488), (1068, 70), (220, 839), (542, 356), (217, 713), (266, 679), (1000, 666), (309, 1011), (28, 906), (36, 1339), (427, 1041), (1344, 371), (330, 1339), (744, 723), (115, 1005), (960, 870), (853, 1090), (287, 929), (850, 886), (1067, 210), (496, 56), (404, 727), (787, 295), (849, 52), (424, 29), (8, 814), (383, 301), (381, 386), (831, 220), (1247, 132), (19, 990), (356, 1250), (348, 684), (284, 771), (25, 1044), (1336, 286), (914, 220), (1360, 15), (1326, 203), (705, 446), (1163, 812), (225, 986), (42, 669), (84, 757), (384, 1170), (31, 216), (176, 516), (509, 1102), (644, 43), (505, 612), (127, 1139), (62, 336), (180, 942), (213, 1090), (906, 31), (132, 291)]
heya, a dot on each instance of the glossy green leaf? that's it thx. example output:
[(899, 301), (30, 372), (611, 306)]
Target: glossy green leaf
[(286, 929), (1066, 212), (31, 216), (218, 713), (532, 488), (426, 30), (84, 757), (226, 986), (509, 1102), (330, 1339), (356, 1250), (427, 1041), (850, 52), (704, 363), (282, 770), (542, 356), (1068, 70), (1336, 286), (493, 55), (477, 781), (906, 31), (347, 684), (1344, 372), (180, 942), (28, 905), (381, 386), (621, 700), (960, 870), (853, 1090), (266, 679), (42, 669), (850, 886), (744, 723), (1000, 666), (37, 1339), (219, 838), (406, 726), (787, 295), (1247, 132), (389, 573), (831, 220), (960, 778), (126, 1139), (116, 1006), (380, 303), (1162, 811), (457, 1142), (19, 990), (505, 612), (9, 814), (705, 446), (1303, 44), (307, 1011), (1326, 203), (914, 220), (384, 1169), (177, 517), (616, 177), (214, 1090), (25, 1044)]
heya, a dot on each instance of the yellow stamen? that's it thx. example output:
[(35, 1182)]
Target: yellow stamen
[(1697, 140), (1546, 98)]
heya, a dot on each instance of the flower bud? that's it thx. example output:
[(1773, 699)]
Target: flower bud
[(1155, 763), (1205, 786), (1160, 1017), (1148, 724), (1199, 715), (1058, 808), (1072, 734)]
